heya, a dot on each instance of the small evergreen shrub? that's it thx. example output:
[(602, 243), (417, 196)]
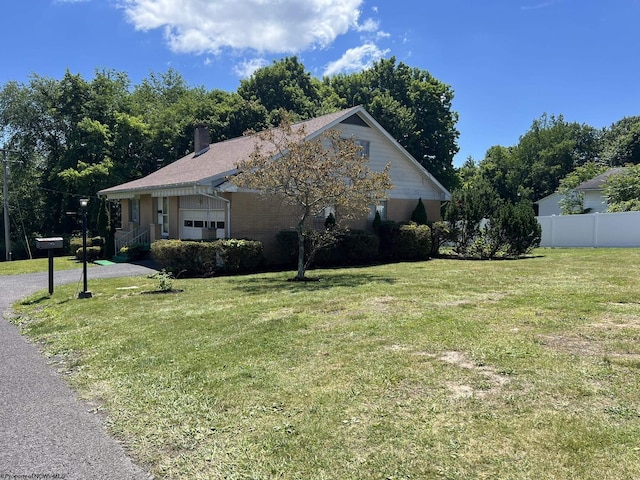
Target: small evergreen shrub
[(440, 235), (419, 214), (377, 220)]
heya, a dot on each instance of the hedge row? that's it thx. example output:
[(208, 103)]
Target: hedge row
[(393, 242), (203, 259)]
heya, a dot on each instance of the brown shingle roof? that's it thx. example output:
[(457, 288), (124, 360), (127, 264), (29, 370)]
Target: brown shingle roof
[(220, 159)]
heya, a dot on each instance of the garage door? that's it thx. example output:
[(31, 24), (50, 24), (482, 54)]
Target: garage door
[(199, 224)]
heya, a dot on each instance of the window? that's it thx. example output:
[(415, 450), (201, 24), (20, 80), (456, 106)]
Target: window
[(219, 224), (365, 147), (380, 207), (165, 217), (188, 223), (134, 212), (198, 223)]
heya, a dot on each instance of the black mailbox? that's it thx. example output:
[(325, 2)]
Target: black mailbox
[(48, 243)]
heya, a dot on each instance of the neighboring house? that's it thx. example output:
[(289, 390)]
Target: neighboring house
[(593, 191), (192, 199), (549, 205)]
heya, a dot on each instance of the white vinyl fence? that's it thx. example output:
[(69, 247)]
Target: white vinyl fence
[(591, 230)]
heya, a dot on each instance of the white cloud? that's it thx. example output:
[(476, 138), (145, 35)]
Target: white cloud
[(246, 68), (369, 25), (282, 26), (356, 59)]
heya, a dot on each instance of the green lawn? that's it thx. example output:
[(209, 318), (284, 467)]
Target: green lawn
[(37, 265), (444, 369)]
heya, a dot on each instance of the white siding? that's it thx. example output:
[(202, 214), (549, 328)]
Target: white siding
[(593, 199), (549, 205), (408, 180)]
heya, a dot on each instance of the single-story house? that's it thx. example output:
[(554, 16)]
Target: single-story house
[(192, 198), (592, 190)]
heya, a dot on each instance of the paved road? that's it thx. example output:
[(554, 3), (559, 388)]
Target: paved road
[(45, 431)]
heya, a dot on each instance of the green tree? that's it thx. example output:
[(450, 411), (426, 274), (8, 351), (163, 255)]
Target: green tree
[(622, 142), (284, 85), (572, 201), (622, 191), (547, 152), (312, 175), (465, 212)]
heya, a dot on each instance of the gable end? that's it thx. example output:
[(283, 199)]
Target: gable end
[(355, 119)]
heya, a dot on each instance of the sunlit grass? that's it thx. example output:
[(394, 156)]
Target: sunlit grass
[(19, 267), (439, 369)]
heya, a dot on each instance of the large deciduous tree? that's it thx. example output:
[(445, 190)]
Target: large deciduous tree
[(313, 175), (622, 191)]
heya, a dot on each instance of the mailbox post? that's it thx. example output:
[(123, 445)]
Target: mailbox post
[(49, 244)]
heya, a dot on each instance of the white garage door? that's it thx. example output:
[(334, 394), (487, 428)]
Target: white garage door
[(196, 224)]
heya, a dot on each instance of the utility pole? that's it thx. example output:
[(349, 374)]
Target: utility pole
[(5, 196)]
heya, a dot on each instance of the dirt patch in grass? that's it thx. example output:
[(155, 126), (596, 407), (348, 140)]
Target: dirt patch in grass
[(590, 345), (494, 380)]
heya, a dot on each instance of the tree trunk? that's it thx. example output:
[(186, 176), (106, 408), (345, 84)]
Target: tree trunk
[(301, 269)]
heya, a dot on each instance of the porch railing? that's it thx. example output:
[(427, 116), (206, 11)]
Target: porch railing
[(137, 235)]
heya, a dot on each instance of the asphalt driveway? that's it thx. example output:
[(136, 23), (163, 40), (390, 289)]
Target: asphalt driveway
[(46, 432)]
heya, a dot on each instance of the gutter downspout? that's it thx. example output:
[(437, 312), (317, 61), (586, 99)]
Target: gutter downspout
[(215, 196)]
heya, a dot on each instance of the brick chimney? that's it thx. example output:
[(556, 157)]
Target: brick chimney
[(201, 139)]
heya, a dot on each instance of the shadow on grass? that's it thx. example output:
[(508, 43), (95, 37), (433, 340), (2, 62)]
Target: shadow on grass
[(325, 282)]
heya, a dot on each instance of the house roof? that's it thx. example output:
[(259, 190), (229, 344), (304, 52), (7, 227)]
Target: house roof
[(213, 165), (597, 183)]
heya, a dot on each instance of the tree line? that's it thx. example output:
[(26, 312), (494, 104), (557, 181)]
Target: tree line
[(68, 138), (551, 151), (71, 137)]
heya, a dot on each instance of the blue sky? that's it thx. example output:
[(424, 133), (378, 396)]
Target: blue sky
[(508, 61)]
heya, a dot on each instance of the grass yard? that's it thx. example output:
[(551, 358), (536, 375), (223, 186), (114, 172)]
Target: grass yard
[(38, 265), (443, 369)]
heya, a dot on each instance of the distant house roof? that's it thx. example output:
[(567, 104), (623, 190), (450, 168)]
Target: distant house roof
[(597, 183), (211, 166)]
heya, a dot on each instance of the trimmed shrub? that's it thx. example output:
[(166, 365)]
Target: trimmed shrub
[(185, 258), (359, 247), (93, 254), (135, 251), (95, 241), (240, 256), (413, 242), (204, 259), (74, 244), (404, 242), (388, 232)]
